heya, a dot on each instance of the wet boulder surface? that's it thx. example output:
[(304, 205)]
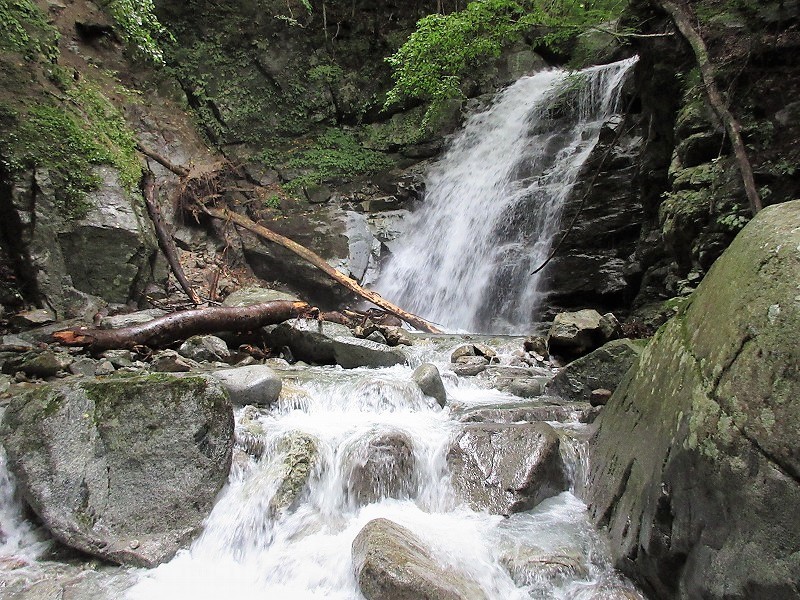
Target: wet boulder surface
[(695, 468), (124, 468)]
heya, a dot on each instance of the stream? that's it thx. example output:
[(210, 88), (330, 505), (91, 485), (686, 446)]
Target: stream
[(251, 550), (345, 447)]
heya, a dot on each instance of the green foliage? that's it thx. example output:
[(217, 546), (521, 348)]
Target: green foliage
[(432, 62), (139, 26), (70, 142), (336, 155), (24, 28)]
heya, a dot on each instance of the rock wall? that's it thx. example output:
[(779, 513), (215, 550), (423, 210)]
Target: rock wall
[(695, 467)]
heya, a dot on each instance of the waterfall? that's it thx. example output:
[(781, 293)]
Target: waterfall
[(494, 201)]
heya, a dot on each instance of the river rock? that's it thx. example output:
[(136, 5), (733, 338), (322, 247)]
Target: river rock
[(391, 562), (124, 468), (576, 333), (169, 361), (308, 339), (397, 336), (138, 317), (208, 348), (295, 456), (383, 467), (695, 468), (254, 384), (540, 570), (351, 352), (601, 368), (507, 468), (429, 380), (37, 363)]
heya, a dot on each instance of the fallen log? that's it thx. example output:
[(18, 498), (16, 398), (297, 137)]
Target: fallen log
[(321, 264), (683, 20), (181, 325), (165, 242)]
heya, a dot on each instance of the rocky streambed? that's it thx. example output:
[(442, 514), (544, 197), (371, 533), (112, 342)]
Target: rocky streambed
[(440, 467)]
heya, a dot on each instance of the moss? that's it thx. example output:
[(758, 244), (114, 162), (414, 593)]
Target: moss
[(335, 156), (24, 29)]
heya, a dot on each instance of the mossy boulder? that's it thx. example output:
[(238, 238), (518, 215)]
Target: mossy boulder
[(124, 468), (695, 468)]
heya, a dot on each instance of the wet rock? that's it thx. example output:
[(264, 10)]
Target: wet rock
[(462, 351), (429, 380), (391, 562), (37, 363), (106, 462), (169, 361), (507, 468), (536, 344), (396, 336), (576, 333), (377, 336), (208, 348), (541, 570), (295, 457), (256, 295), (250, 385), (351, 352), (85, 366), (602, 368), (468, 366), (600, 397), (309, 340), (119, 358), (695, 466), (383, 467), (32, 318), (562, 413)]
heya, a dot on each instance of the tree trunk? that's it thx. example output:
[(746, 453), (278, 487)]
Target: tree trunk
[(319, 262), (683, 20), (184, 324)]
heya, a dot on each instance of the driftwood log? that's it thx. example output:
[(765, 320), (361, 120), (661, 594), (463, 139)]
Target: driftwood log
[(181, 325), (165, 242), (321, 264), (303, 252)]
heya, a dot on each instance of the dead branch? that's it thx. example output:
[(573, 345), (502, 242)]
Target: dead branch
[(321, 264), (682, 18), (181, 325), (165, 242), (164, 162)]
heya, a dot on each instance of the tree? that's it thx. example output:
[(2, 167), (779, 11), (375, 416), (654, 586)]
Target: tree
[(430, 65)]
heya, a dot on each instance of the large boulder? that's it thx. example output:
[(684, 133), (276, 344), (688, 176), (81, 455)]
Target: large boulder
[(573, 334), (695, 468), (600, 369), (125, 468), (391, 562), (507, 468), (351, 352), (308, 339)]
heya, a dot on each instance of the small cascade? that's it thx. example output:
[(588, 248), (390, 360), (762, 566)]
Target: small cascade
[(494, 201)]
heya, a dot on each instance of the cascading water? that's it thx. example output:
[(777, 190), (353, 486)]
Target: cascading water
[(342, 448), (494, 201)]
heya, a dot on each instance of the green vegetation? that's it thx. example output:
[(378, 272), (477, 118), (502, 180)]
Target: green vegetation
[(139, 26), (70, 142), (24, 29), (51, 121), (336, 155), (431, 64)]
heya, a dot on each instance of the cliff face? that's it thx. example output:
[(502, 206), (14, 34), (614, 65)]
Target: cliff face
[(690, 187)]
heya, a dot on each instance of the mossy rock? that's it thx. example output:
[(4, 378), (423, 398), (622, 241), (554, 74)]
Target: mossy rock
[(695, 468), (124, 468)]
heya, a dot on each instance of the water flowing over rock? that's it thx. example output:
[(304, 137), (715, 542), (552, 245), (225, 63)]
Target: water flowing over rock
[(493, 202), (507, 468), (391, 562), (696, 466), (383, 467), (125, 468)]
